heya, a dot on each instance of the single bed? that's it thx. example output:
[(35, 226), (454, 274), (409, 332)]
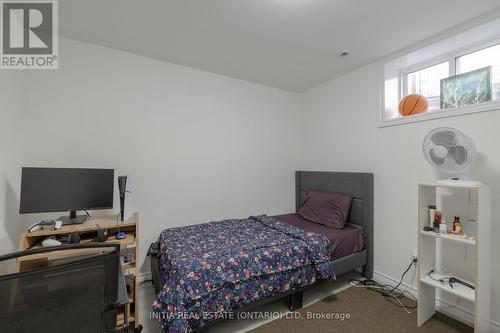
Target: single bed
[(210, 271)]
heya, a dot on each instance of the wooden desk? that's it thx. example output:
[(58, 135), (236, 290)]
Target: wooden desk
[(88, 229)]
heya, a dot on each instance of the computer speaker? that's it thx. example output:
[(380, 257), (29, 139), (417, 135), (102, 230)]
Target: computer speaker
[(122, 186)]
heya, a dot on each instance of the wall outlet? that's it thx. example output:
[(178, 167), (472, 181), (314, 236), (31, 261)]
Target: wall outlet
[(414, 255)]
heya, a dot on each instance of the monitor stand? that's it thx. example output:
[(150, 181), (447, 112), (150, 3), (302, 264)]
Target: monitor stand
[(73, 218)]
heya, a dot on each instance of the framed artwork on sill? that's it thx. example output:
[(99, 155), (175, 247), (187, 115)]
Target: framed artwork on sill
[(465, 89)]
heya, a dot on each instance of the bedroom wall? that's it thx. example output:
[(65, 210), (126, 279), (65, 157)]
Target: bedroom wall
[(197, 146), (341, 133), (13, 106)]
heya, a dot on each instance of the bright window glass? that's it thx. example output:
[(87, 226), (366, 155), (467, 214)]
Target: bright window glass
[(486, 57), (427, 82)]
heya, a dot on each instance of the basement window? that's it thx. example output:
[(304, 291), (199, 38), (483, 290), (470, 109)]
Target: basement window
[(489, 56), (427, 82), (423, 70)]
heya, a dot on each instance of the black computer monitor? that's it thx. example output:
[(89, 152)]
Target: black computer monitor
[(66, 189)]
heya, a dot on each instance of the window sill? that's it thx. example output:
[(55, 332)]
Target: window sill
[(443, 113)]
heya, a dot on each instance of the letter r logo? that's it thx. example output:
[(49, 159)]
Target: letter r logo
[(27, 27)]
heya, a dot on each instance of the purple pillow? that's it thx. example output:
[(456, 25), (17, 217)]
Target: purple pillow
[(326, 208)]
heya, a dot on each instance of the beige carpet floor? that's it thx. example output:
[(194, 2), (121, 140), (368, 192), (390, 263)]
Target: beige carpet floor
[(369, 312)]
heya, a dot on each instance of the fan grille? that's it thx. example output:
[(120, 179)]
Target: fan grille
[(449, 150)]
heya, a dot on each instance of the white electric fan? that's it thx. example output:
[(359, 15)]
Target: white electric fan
[(451, 151)]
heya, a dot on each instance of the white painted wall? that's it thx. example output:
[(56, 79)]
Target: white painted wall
[(340, 122), (13, 95), (197, 146)]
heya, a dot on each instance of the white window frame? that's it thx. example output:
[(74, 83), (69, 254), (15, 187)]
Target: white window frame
[(403, 73), (451, 57)]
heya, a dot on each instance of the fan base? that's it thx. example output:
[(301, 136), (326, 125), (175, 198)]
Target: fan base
[(459, 182)]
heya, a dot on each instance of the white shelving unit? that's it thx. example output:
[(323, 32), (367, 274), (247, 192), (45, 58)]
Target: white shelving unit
[(473, 205)]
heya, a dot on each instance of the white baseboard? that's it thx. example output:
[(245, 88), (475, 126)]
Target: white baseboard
[(455, 312)]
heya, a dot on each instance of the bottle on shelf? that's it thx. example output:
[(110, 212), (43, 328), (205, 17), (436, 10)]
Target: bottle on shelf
[(437, 221), (457, 226), (432, 214), (443, 227)]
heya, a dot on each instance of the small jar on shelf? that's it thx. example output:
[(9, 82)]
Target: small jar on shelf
[(443, 228)]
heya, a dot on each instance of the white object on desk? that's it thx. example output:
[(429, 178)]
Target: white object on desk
[(53, 225), (51, 242)]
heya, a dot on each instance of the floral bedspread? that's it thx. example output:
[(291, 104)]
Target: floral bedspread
[(212, 269)]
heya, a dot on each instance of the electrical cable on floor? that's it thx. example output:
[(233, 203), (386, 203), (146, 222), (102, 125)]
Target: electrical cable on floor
[(390, 293)]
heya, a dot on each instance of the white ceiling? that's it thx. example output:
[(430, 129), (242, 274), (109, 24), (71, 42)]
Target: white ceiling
[(290, 44)]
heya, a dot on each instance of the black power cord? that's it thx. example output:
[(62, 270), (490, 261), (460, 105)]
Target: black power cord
[(392, 294), (402, 277), (450, 280)]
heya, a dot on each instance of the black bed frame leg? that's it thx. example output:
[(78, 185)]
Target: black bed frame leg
[(367, 272), (295, 301)]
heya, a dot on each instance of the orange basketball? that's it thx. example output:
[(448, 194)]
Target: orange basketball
[(413, 104)]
